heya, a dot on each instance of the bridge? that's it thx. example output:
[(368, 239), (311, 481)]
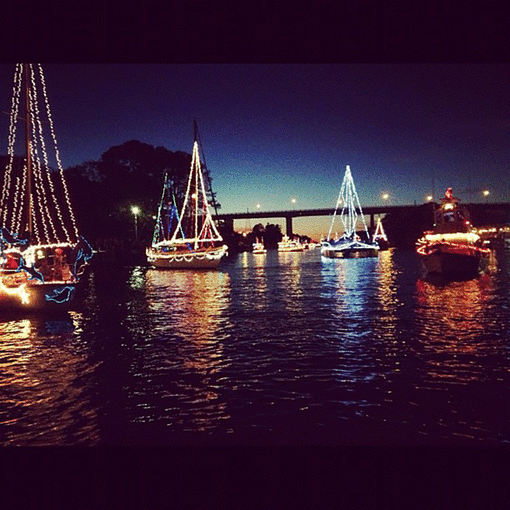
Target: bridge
[(372, 211)]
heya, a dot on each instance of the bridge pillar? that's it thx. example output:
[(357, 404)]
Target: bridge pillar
[(372, 224), (288, 225)]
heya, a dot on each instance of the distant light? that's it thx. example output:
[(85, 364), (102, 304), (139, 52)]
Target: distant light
[(135, 210), (258, 206), (293, 200), (485, 193), (385, 196), (429, 198)]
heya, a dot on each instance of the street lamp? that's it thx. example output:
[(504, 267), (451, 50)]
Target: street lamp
[(293, 203), (136, 211), (429, 198), (486, 195)]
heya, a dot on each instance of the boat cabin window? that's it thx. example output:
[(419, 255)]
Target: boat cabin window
[(449, 217)]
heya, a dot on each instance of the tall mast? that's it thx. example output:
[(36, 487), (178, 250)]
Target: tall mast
[(195, 178), (28, 148), (208, 175)]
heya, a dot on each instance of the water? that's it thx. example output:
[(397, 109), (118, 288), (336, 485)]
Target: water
[(269, 349)]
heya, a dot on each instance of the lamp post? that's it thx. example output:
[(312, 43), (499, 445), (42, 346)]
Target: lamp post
[(486, 195), (293, 204), (136, 211)]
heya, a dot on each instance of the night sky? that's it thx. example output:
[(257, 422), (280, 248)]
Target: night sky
[(273, 133)]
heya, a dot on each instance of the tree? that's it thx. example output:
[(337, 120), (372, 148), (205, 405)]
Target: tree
[(272, 235)]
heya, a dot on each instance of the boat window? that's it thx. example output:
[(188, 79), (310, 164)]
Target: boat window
[(449, 217)]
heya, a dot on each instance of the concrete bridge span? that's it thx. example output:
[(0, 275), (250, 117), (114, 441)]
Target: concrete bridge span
[(371, 211)]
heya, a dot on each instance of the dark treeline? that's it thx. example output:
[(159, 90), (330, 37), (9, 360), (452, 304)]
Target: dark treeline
[(127, 175)]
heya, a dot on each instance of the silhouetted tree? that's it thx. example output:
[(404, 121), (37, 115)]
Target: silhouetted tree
[(272, 235), (130, 174)]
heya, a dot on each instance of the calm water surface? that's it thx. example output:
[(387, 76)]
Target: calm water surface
[(268, 349)]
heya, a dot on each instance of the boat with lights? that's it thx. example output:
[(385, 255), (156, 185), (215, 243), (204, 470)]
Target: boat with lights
[(42, 255), (380, 237), (452, 248), (258, 248), (189, 239), (348, 211), (287, 244)]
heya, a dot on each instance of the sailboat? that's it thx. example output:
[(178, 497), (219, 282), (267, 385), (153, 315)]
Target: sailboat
[(42, 255), (258, 247), (452, 248), (349, 245), (192, 241), (380, 237)]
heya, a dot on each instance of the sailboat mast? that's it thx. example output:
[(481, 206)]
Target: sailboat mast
[(28, 147), (195, 179)]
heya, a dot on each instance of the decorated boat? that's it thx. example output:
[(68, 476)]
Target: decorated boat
[(452, 248), (287, 244), (189, 239), (380, 237), (258, 247), (42, 255), (348, 211)]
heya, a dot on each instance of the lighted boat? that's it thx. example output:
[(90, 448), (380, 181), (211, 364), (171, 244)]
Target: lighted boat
[(42, 255), (258, 248), (348, 211), (287, 244), (190, 239), (380, 237), (452, 248)]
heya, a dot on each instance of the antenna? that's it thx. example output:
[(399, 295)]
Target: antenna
[(208, 175)]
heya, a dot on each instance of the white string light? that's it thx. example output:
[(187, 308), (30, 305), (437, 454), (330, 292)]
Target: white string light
[(57, 155), (348, 199)]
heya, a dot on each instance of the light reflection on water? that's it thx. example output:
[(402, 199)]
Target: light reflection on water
[(44, 383), (282, 348)]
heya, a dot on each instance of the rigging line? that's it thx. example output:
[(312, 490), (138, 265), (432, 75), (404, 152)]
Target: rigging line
[(12, 137), (158, 227), (38, 174), (59, 164), (186, 197)]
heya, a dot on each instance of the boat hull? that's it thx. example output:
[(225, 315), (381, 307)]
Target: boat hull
[(349, 253), (294, 248), (453, 264), (37, 297), (181, 260)]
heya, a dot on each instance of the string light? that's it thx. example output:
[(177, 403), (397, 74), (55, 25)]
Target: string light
[(57, 155), (201, 204), (348, 199), (60, 296)]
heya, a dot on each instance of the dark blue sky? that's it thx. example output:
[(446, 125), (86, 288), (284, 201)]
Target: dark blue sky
[(276, 132)]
